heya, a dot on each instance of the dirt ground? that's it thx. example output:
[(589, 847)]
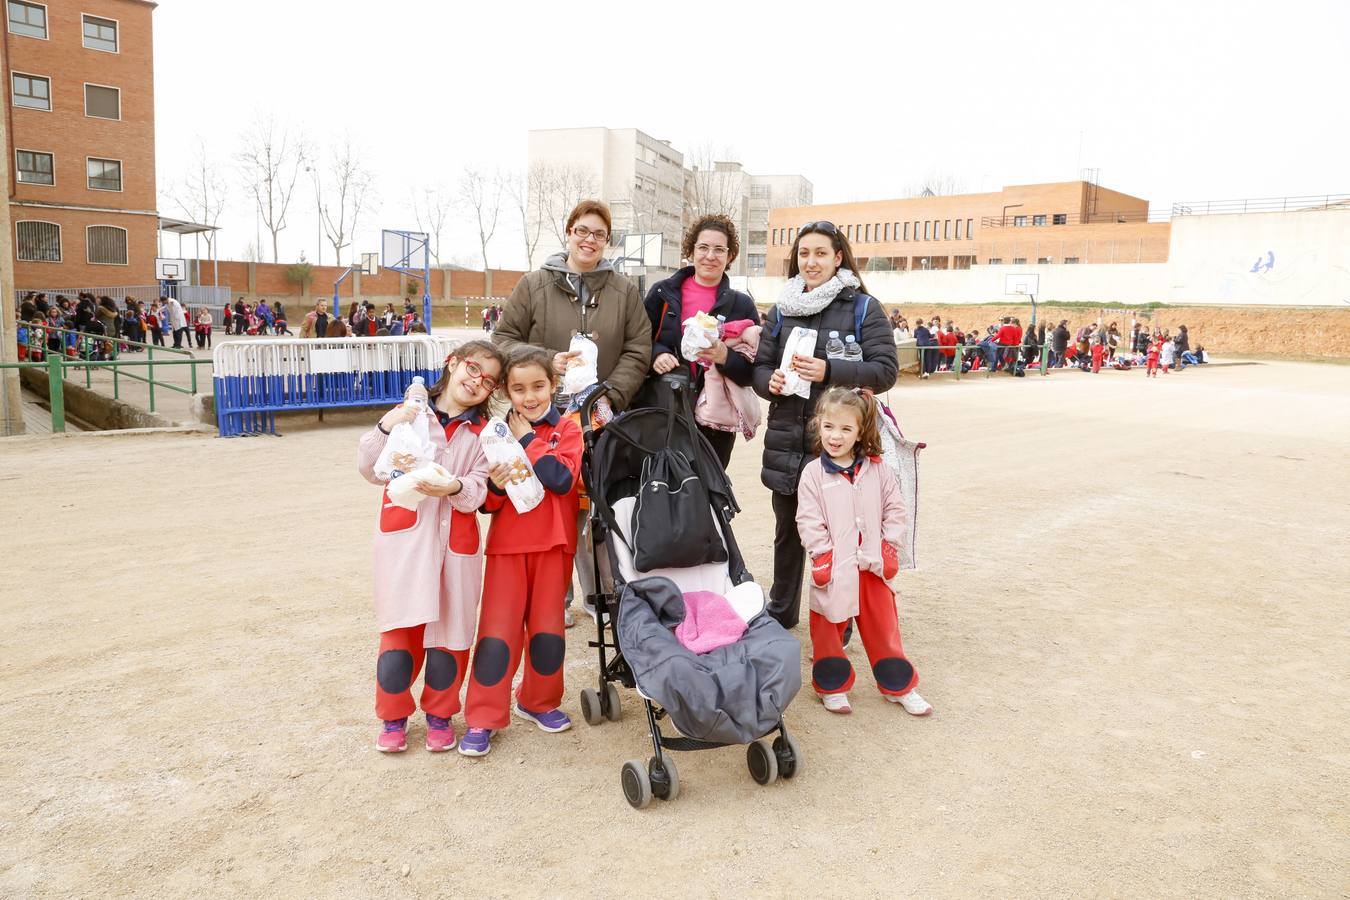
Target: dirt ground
[(1131, 617)]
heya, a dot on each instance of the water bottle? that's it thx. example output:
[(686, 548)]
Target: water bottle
[(852, 350), (834, 348), (416, 395)]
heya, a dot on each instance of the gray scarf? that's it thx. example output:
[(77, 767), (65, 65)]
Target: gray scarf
[(797, 301)]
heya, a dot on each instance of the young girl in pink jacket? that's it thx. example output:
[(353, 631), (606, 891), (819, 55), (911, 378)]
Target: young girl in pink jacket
[(850, 515), (429, 560)]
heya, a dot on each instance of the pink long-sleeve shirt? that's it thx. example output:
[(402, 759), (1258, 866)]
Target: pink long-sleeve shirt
[(852, 519), (428, 566)]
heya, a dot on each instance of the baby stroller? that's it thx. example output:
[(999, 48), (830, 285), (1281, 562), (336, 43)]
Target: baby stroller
[(734, 694)]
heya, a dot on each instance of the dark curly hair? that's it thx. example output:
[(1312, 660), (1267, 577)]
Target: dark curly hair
[(717, 223)]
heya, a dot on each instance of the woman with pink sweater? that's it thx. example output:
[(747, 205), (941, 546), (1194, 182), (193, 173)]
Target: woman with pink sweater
[(850, 515)]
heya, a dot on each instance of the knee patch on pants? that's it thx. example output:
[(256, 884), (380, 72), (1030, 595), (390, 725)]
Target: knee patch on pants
[(490, 660), (546, 653), (394, 671), (441, 670), (893, 674), (831, 673)]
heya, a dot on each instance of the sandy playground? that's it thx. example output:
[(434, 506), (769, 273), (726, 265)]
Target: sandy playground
[(1131, 618)]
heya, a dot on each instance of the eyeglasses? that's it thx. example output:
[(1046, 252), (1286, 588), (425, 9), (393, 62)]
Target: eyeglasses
[(474, 370), (582, 233), (824, 227), (710, 250)]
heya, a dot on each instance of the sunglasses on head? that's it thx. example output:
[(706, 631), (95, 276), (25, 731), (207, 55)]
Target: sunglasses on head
[(823, 226)]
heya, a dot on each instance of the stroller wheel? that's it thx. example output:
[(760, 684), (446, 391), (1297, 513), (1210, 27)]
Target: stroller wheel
[(763, 764), (590, 706), (789, 755), (637, 786), (613, 707), (665, 778)]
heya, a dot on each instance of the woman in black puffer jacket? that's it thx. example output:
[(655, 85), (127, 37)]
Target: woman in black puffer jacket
[(823, 293)]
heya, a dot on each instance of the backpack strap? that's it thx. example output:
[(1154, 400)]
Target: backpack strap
[(860, 303)]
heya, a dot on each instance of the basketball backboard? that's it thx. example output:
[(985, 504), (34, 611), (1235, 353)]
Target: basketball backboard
[(370, 263), (642, 249), (167, 269), (403, 249), (1021, 284)]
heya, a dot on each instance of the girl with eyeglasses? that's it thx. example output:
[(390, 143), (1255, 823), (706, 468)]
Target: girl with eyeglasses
[(428, 566), (824, 293), (711, 246)]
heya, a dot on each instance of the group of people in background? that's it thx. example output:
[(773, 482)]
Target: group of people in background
[(74, 327), (362, 320), (492, 314), (1006, 346)]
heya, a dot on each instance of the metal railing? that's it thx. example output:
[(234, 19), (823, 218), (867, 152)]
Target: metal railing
[(1053, 219), (83, 350), (187, 294), (1263, 204)]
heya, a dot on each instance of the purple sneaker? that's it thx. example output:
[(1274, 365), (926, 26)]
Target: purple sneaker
[(440, 734), (393, 737), (476, 742), (553, 721)]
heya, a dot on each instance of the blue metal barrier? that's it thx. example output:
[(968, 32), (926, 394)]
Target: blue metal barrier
[(255, 380)]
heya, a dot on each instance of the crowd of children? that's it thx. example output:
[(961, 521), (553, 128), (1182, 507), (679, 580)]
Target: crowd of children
[(96, 328), (1006, 346)]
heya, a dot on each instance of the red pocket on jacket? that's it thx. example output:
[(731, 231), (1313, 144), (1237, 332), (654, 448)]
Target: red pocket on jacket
[(464, 538), (394, 517)]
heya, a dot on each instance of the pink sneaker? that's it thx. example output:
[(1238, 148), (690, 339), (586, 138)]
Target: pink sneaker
[(393, 737), (440, 734)]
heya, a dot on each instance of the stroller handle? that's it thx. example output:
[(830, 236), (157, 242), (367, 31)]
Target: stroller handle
[(588, 406)]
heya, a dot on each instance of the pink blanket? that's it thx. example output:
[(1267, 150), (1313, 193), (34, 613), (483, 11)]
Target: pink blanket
[(724, 405), (709, 622)]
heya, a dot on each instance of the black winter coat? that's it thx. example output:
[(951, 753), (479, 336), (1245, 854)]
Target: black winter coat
[(1061, 339), (787, 438), (667, 332)]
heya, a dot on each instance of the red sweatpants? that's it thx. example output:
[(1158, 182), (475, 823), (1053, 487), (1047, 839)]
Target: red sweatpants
[(879, 627), (1098, 351), (401, 658), (523, 597)]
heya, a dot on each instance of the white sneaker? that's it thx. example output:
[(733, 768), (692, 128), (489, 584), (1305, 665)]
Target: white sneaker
[(568, 619), (590, 610), (836, 703), (913, 703)]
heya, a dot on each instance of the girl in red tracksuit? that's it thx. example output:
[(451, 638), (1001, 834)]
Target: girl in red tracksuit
[(529, 566)]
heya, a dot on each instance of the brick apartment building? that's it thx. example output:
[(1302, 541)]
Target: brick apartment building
[(1066, 222), (81, 142)]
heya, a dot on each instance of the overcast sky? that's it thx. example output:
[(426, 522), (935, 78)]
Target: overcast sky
[(1171, 101)]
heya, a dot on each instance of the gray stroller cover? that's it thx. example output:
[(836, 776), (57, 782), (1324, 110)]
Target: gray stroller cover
[(732, 695)]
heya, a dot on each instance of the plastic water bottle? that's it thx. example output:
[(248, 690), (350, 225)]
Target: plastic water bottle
[(416, 395), (852, 350), (834, 348)]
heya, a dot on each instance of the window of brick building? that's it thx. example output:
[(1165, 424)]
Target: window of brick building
[(886, 231), (105, 174), (962, 262), (1070, 260), (1038, 220), (754, 262), (34, 167), (32, 91), (995, 261), (1042, 260), (958, 229), (100, 34), (916, 231), (970, 229), (1060, 219), (867, 232), (28, 19), (947, 229), (37, 241), (927, 227), (1019, 221), (106, 245), (876, 231), (101, 102), (1019, 260)]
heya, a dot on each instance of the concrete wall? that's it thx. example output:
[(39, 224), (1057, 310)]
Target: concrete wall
[(1266, 259)]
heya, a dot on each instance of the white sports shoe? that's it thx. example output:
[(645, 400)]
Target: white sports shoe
[(568, 619), (913, 703), (836, 703)]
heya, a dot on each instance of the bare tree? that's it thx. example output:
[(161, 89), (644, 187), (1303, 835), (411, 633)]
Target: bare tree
[(201, 193), (527, 189), (936, 184), (349, 188), (558, 188), (711, 190), (480, 194), (270, 163), (430, 210)]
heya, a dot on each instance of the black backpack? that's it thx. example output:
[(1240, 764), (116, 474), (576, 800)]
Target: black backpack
[(673, 526)]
